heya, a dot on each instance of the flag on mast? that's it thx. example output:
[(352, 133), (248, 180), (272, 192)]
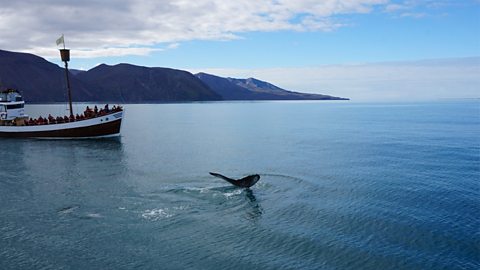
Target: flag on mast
[(60, 40)]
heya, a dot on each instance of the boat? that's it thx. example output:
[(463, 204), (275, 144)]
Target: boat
[(14, 123), (92, 123)]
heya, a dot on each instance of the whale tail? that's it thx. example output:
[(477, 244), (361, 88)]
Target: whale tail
[(245, 182)]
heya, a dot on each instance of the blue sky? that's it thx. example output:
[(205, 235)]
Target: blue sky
[(443, 32), (292, 44)]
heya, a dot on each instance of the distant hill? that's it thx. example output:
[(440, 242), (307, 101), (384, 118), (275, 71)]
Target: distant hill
[(225, 88), (38, 79), (129, 83), (76, 71), (41, 81), (253, 89)]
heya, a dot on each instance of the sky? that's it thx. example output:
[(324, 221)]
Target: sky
[(367, 50)]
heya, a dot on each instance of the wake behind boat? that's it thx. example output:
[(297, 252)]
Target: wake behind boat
[(14, 123)]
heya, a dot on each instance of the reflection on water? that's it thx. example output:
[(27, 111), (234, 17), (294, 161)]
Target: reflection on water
[(57, 174), (255, 207)]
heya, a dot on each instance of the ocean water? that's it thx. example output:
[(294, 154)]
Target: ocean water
[(343, 185)]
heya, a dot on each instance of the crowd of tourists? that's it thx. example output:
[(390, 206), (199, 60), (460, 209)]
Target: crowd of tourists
[(89, 113)]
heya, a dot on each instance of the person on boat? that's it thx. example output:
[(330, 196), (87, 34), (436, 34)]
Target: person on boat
[(95, 110), (116, 108), (51, 120), (87, 112), (106, 109), (65, 119)]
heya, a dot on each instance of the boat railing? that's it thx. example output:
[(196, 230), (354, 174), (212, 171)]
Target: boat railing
[(50, 120)]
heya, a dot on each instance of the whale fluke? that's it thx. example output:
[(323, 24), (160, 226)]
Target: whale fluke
[(245, 182)]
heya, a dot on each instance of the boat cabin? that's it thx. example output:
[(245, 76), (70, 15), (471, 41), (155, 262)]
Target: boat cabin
[(11, 105)]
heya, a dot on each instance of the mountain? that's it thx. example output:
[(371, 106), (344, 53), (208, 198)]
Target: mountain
[(41, 81), (258, 86), (225, 88), (129, 83), (76, 71), (38, 79), (253, 89)]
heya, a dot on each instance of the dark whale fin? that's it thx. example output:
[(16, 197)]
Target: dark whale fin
[(245, 182)]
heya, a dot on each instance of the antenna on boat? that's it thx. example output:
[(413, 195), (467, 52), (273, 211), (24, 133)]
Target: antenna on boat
[(65, 55)]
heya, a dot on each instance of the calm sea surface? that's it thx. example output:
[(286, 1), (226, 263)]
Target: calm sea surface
[(343, 186)]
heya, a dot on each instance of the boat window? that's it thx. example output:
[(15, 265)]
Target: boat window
[(15, 106), (2, 108), (18, 98)]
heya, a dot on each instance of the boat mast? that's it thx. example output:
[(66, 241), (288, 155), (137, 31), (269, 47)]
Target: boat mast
[(65, 54)]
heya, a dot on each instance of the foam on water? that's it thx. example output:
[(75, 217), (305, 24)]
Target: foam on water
[(156, 214)]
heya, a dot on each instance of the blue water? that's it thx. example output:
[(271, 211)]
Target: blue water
[(343, 186)]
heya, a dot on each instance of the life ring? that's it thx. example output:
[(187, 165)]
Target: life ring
[(3, 116)]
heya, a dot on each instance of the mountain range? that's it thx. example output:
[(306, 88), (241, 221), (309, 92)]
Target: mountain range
[(41, 81)]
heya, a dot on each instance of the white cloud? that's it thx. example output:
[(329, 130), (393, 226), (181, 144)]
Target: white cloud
[(123, 27), (417, 8), (416, 15), (97, 52), (395, 7), (416, 80), (173, 45)]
